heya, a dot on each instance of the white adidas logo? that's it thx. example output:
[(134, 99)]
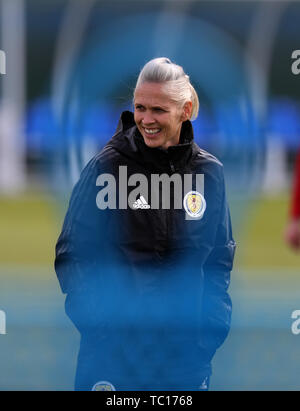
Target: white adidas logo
[(140, 203)]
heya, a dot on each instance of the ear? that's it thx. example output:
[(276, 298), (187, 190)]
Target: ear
[(187, 111)]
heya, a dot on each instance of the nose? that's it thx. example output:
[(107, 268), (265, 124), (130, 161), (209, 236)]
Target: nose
[(147, 119)]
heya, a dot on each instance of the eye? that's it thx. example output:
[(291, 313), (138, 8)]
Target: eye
[(158, 109), (139, 107)]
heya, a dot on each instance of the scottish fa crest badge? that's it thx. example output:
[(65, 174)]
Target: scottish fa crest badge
[(103, 386), (194, 204)]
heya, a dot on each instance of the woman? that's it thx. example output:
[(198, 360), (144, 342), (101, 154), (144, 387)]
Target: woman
[(146, 248)]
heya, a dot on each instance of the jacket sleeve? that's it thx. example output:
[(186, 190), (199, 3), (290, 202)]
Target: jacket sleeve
[(78, 249), (217, 304)]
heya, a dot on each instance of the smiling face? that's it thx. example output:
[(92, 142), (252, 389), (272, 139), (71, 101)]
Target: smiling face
[(158, 118)]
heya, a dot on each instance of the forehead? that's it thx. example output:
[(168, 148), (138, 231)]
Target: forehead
[(152, 94)]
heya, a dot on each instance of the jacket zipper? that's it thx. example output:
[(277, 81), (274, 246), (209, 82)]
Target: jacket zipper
[(168, 212), (172, 167)]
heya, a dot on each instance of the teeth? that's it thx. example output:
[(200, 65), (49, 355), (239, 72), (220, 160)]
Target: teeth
[(152, 131)]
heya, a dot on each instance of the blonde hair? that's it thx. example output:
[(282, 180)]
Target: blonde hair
[(176, 83)]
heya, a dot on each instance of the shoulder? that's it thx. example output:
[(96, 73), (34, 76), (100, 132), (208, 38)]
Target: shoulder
[(207, 162), (204, 157), (109, 152), (98, 164), (103, 159)]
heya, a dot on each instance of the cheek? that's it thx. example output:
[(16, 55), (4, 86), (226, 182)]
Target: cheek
[(176, 122), (137, 118)]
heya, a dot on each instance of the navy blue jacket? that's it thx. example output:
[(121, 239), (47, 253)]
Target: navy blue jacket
[(147, 288)]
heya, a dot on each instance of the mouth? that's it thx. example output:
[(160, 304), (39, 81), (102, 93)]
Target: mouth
[(151, 132)]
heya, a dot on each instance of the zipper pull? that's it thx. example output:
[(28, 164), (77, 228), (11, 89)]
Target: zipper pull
[(172, 166)]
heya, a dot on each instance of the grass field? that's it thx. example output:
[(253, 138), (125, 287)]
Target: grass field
[(40, 347), (260, 236)]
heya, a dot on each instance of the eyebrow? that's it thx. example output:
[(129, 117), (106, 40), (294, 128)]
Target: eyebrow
[(152, 107)]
